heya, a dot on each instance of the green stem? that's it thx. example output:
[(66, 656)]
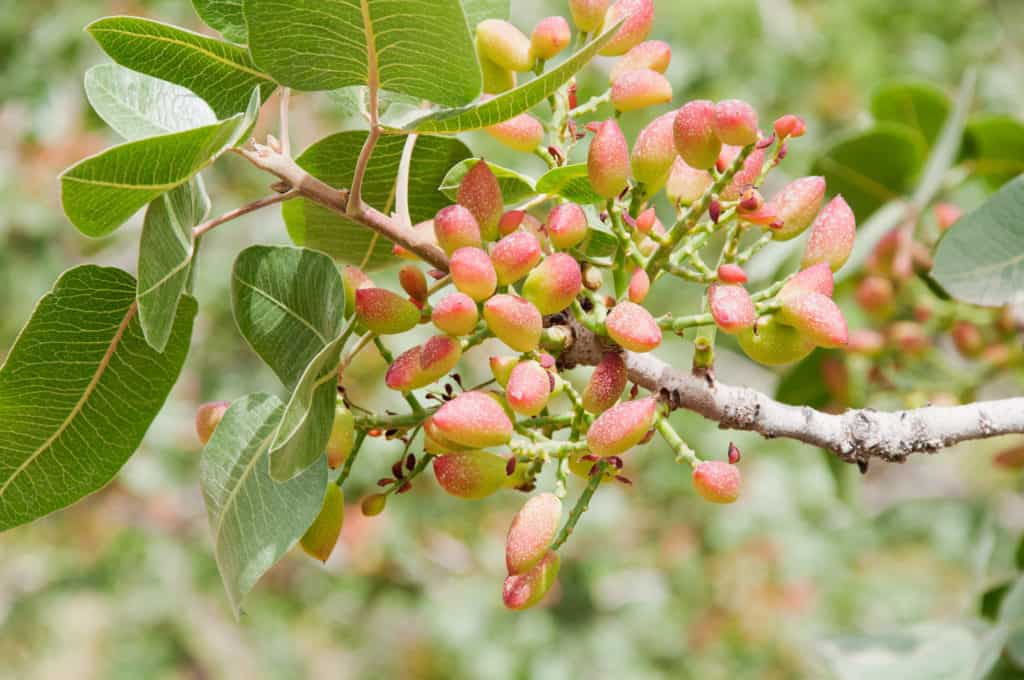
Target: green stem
[(591, 105), (683, 452), (582, 503), (347, 469), (668, 323)]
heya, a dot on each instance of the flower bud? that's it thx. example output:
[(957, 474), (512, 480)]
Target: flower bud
[(504, 44), (455, 227), (967, 338), (455, 314), (639, 17), (648, 220), (374, 504), (796, 205), (514, 321), (567, 225), (522, 591), (532, 530), (746, 176), (733, 273), (520, 133), (946, 215), (470, 474), (686, 185), (413, 282), (551, 36), (472, 273), (621, 427), (554, 284), (606, 383), (480, 192), (815, 316), (514, 256), (832, 235), (496, 79), (501, 368), (528, 388), (384, 312), (731, 307), (735, 122), (717, 481), (639, 285), (772, 343), (866, 342), (651, 54), (694, 134), (790, 126), (342, 438), (654, 152), (608, 160), (817, 278), (638, 89), (208, 417), (633, 327), (474, 420), (353, 278), (588, 15), (875, 293), (320, 538)]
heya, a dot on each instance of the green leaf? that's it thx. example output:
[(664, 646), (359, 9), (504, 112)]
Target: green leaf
[(221, 73), (919, 105), (873, 167), (137, 106), (991, 599), (570, 182), (333, 160), (166, 250), (288, 304), (420, 48), (224, 16), (102, 191), (802, 385), (513, 102), (995, 147), (478, 10), (254, 520), (78, 391), (1018, 555), (515, 187), (981, 258)]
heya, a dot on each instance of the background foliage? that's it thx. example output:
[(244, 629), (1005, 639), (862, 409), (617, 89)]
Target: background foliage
[(812, 572)]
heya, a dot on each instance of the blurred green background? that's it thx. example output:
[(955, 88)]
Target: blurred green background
[(813, 574)]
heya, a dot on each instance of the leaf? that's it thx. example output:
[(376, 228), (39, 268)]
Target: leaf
[(995, 146), (166, 250), (100, 192), (1018, 555), (919, 105), (945, 148), (873, 167), (254, 520), (137, 106), (981, 258), (333, 160), (478, 10), (515, 187), (78, 391), (288, 304), (570, 182), (802, 385), (221, 73), (420, 48), (513, 102), (224, 16)]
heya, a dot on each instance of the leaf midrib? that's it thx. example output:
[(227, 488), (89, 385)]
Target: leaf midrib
[(284, 307)]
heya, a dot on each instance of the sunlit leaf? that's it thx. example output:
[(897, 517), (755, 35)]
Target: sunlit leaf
[(918, 105), (570, 182), (225, 16), (995, 148)]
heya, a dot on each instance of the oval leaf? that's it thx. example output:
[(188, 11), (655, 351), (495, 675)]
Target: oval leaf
[(570, 182), (254, 520), (78, 391), (515, 187), (981, 258), (995, 147), (478, 10), (919, 105), (417, 48), (224, 16)]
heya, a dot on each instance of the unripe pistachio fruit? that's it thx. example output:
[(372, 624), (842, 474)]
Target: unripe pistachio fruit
[(746, 176), (480, 193), (735, 122), (208, 417), (815, 316), (455, 227), (621, 427), (633, 327), (522, 591), (717, 481), (319, 540), (638, 89), (908, 337), (654, 153), (967, 338), (651, 54), (413, 282), (588, 15), (817, 277), (514, 256), (514, 321), (473, 420), (832, 234), (554, 284), (424, 364), (639, 285), (531, 532), (520, 133), (608, 160), (731, 307), (472, 273), (733, 273), (504, 44), (470, 474), (551, 36), (501, 368), (354, 278), (875, 293), (374, 504), (639, 17), (384, 312), (694, 134), (773, 343), (528, 389), (566, 225), (790, 126), (685, 185), (796, 205), (866, 342), (342, 438), (496, 79), (606, 383), (455, 314)]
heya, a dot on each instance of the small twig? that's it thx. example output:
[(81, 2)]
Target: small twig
[(581, 505), (244, 210)]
